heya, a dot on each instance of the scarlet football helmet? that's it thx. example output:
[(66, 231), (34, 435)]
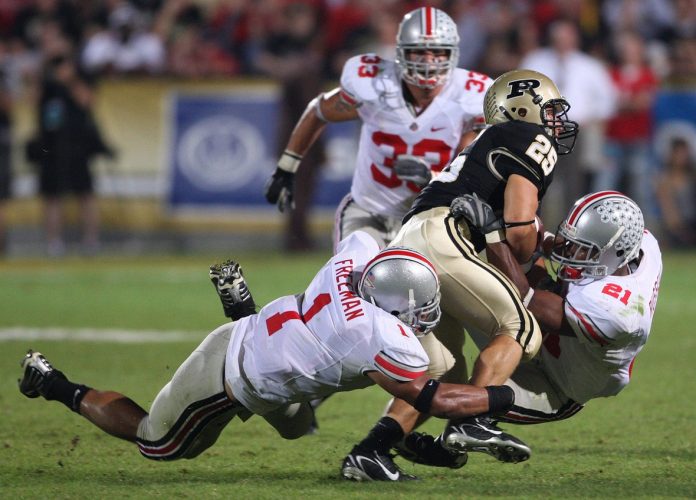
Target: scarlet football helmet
[(404, 283), (421, 30), (532, 97), (602, 233)]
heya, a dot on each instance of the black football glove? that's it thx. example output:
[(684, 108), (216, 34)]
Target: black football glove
[(477, 213), (279, 189), (414, 169)]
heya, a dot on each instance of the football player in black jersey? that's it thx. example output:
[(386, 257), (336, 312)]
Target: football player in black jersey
[(509, 166)]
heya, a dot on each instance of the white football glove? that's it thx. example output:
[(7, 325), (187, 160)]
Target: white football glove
[(414, 169)]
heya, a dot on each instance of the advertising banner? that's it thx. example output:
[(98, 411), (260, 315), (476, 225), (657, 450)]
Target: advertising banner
[(223, 150), (675, 117)]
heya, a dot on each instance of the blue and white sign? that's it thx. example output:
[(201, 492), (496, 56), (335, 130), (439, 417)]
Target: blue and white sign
[(674, 113), (223, 149)]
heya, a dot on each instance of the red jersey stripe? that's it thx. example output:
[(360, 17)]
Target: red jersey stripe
[(588, 327), (396, 370)]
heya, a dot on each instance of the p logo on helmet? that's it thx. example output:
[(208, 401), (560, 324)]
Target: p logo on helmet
[(519, 87)]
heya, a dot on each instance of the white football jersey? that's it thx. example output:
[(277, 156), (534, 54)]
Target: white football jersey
[(391, 129), (303, 348), (611, 319)]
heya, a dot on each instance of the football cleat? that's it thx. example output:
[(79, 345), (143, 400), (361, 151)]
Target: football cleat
[(232, 289), (369, 465), (38, 374), (425, 449), (481, 434)]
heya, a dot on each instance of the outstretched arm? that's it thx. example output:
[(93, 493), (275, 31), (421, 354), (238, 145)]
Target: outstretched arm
[(451, 401), (324, 108)]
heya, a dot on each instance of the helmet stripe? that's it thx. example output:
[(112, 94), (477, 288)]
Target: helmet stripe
[(428, 29), (401, 252), (575, 214)]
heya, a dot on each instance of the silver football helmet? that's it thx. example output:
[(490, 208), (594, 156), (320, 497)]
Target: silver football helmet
[(602, 232), (404, 283), (530, 96), (425, 29)]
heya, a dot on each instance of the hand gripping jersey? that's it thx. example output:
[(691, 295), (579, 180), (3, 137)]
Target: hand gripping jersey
[(484, 167), (303, 348), (611, 319), (390, 128)]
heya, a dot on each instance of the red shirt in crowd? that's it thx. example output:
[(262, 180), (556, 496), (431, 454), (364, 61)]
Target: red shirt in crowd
[(632, 125)]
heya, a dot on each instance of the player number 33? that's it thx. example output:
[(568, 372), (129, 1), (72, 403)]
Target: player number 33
[(542, 152)]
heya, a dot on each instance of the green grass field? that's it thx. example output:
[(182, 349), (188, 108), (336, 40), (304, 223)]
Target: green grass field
[(639, 444)]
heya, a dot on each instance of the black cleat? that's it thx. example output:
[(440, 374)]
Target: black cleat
[(425, 449), (38, 374), (364, 465), (233, 291), (481, 434)]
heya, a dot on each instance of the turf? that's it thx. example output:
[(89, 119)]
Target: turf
[(639, 444)]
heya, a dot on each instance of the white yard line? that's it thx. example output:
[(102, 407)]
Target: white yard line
[(99, 335)]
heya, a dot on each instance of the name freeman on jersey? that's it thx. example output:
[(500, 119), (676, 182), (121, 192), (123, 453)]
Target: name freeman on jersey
[(349, 301)]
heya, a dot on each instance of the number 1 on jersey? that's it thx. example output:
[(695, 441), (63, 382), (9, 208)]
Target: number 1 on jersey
[(275, 322)]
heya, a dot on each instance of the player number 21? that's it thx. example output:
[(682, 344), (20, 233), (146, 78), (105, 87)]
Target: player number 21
[(542, 152), (614, 290)]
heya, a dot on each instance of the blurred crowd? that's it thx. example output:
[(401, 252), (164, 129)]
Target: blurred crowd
[(609, 57), (204, 38)]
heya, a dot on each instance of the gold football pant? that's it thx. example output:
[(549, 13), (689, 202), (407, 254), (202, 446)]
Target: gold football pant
[(474, 294)]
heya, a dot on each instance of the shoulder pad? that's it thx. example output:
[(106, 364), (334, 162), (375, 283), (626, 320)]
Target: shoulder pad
[(361, 74), (471, 83)]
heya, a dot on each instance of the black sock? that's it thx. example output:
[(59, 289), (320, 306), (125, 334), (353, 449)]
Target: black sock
[(59, 388), (385, 434)]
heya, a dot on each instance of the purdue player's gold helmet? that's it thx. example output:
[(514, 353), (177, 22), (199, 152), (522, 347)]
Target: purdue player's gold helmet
[(530, 96)]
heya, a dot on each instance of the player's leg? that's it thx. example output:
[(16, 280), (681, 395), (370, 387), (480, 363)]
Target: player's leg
[(350, 217), (447, 363), (291, 421), (537, 400), (482, 434), (401, 418), (485, 300), (232, 289), (189, 413), (112, 412), (370, 460)]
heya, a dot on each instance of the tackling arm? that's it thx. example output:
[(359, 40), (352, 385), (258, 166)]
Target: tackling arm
[(448, 401), (547, 307)]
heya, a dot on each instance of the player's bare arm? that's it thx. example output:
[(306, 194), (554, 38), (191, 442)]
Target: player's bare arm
[(325, 108), (467, 138), (521, 205), (547, 307), (447, 400)]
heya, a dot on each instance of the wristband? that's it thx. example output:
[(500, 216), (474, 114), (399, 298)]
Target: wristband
[(289, 161), (425, 397), (495, 236), (528, 298), (500, 399)]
